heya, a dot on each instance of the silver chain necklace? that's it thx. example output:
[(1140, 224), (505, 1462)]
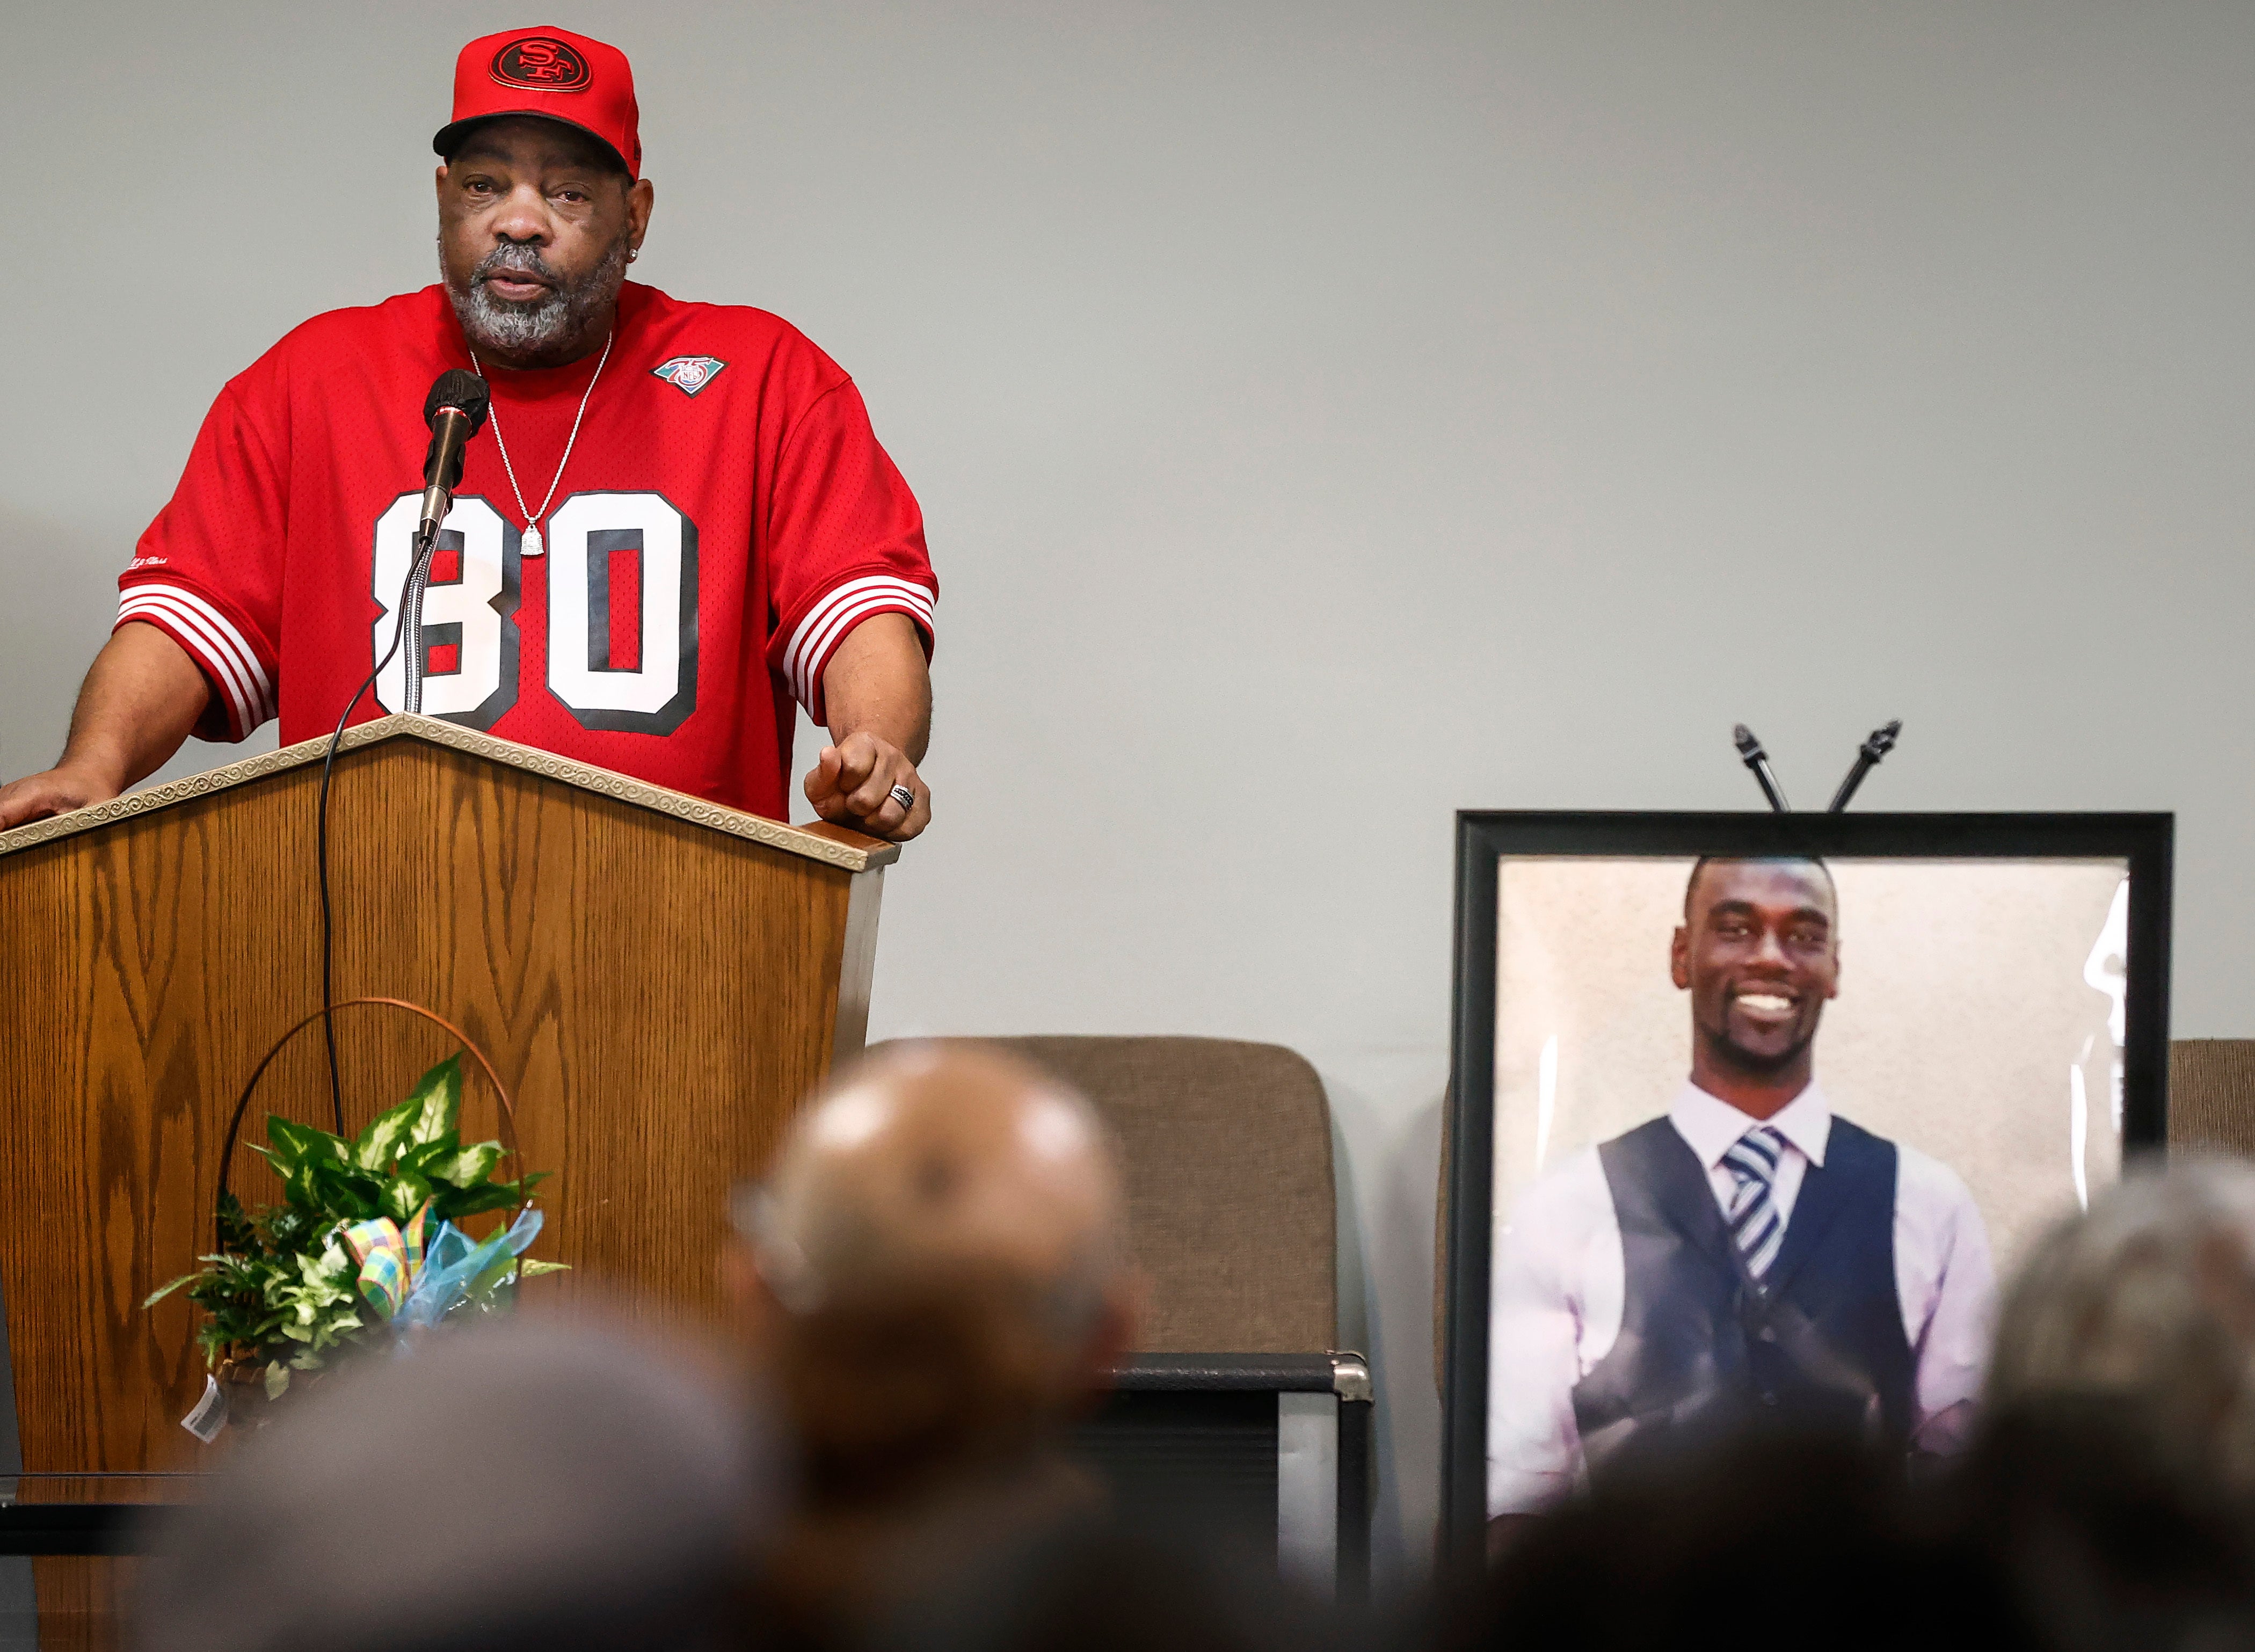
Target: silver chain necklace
[(532, 546)]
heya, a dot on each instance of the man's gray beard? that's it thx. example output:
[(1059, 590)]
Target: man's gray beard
[(559, 323)]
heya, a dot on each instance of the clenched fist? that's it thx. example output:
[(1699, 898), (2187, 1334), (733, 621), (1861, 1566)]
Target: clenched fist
[(851, 785)]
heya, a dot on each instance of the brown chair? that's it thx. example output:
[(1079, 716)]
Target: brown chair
[(1240, 1411), (2212, 1095)]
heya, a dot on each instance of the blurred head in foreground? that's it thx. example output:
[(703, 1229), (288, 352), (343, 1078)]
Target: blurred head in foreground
[(938, 1267), (936, 1285), (2062, 1529), (2149, 1299), (1811, 1537), (518, 1485), (2098, 1529)]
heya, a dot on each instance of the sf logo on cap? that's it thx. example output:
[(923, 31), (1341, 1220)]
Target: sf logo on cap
[(542, 63)]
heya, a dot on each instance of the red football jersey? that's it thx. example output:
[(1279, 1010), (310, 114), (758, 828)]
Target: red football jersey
[(725, 518)]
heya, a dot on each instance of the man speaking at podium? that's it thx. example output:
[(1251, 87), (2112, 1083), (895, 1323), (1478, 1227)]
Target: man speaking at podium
[(674, 511), (1749, 1256)]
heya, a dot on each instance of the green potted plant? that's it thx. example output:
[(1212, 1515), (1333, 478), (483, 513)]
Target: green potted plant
[(366, 1245)]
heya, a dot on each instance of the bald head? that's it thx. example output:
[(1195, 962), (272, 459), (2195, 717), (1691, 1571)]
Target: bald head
[(939, 1285), (939, 1276), (935, 1162)]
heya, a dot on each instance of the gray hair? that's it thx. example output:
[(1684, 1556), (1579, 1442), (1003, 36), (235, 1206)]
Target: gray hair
[(565, 314), (2149, 1296)]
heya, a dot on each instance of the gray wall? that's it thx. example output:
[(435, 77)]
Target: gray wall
[(1328, 417)]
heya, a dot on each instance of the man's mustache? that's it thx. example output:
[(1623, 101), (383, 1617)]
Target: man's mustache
[(524, 260)]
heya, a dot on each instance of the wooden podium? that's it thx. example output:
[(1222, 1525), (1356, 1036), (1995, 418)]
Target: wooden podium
[(658, 981)]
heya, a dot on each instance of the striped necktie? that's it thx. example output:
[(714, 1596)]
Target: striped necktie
[(1755, 1227)]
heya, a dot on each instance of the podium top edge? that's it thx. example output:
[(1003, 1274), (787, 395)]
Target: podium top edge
[(832, 845)]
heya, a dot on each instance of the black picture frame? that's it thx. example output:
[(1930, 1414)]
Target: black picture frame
[(1484, 838)]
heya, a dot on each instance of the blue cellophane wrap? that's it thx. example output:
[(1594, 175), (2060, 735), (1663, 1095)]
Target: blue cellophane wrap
[(454, 1263)]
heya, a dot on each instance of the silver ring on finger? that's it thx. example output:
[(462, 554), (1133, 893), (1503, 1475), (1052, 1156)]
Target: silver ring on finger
[(905, 798)]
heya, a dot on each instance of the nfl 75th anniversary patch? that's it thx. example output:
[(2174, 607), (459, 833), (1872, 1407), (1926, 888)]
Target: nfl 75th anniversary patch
[(689, 374)]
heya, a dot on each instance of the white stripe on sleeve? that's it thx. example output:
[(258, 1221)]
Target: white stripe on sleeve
[(835, 613), (795, 657), (215, 642), (243, 651), (841, 621), (185, 629)]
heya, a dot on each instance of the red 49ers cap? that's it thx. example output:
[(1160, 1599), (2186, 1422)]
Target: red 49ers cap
[(553, 73)]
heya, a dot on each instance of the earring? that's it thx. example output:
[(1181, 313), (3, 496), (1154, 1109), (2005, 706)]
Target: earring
[(633, 253)]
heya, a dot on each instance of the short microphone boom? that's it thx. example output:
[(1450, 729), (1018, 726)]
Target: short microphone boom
[(1868, 758), (455, 411), (1757, 760)]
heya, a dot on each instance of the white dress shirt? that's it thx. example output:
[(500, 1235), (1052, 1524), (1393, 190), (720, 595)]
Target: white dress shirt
[(1556, 1300)]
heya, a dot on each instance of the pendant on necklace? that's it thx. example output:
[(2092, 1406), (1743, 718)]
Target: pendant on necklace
[(532, 547)]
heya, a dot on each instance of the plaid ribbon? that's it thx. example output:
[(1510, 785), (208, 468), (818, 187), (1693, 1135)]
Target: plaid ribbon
[(388, 1259)]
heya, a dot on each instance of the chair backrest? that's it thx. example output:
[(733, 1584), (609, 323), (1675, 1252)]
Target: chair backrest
[(1230, 1204), (2212, 1094)]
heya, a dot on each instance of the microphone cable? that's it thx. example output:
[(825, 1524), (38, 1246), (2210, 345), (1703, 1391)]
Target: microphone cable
[(321, 833), (465, 397), (454, 411)]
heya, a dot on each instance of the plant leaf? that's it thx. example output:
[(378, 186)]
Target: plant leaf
[(235, 1231), (438, 1098), (278, 1379), (403, 1196), (288, 1228), (294, 1145), (300, 1188), (534, 1270), (491, 1276), (468, 1167), (335, 1191), (163, 1292), (387, 1133), (452, 1203), (420, 1159)]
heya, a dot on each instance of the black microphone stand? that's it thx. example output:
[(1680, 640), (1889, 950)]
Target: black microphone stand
[(1868, 758), (410, 621), (1757, 762)]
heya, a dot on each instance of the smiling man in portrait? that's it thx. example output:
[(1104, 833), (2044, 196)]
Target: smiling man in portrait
[(1747, 1259)]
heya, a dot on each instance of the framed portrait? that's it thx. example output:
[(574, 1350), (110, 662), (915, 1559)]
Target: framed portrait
[(1750, 1114)]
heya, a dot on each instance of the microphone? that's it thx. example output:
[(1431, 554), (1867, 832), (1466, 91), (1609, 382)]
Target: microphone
[(1868, 758), (1757, 762), (455, 411)]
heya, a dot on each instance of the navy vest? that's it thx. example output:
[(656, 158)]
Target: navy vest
[(1819, 1345)]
